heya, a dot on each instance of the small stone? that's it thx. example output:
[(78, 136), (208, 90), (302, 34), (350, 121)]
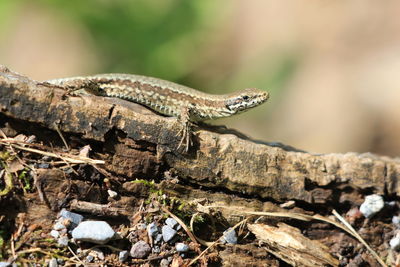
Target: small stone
[(171, 223), (288, 204), (89, 258), (54, 234), (97, 253), (141, 226), (98, 232), (47, 158), (156, 249), (353, 214), (152, 230), (53, 262), (164, 263), (158, 238), (43, 166), (372, 205), (168, 233), (396, 220), (75, 218), (229, 237), (123, 255), (181, 247), (58, 226), (112, 193), (395, 242), (140, 250), (63, 241)]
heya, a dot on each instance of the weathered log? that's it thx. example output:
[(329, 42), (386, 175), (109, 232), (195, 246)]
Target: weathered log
[(140, 143)]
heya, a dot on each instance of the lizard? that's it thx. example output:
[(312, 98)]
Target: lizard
[(168, 98)]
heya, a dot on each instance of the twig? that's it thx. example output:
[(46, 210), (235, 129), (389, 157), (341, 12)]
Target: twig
[(216, 242), (61, 136), (201, 241), (187, 230), (31, 250), (291, 215), (73, 253), (304, 217), (13, 247), (69, 158), (359, 238)]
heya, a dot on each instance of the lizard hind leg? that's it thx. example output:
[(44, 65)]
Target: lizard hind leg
[(186, 129), (185, 133)]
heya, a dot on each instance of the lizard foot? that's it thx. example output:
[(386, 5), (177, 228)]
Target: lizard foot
[(185, 132)]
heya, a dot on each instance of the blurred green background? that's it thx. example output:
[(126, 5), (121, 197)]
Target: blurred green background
[(332, 68)]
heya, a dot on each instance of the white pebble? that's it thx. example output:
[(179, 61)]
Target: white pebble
[(395, 242), (112, 193), (396, 220), (58, 226), (98, 232), (53, 262), (181, 247), (54, 234), (123, 255), (372, 205)]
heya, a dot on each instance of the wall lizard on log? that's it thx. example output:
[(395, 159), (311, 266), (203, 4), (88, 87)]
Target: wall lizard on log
[(168, 98)]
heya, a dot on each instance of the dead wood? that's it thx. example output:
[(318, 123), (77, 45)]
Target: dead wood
[(138, 143), (288, 244)]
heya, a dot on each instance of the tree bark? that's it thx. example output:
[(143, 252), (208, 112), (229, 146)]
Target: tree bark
[(138, 143)]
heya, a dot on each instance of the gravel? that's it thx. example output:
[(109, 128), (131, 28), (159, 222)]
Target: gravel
[(229, 237), (140, 250), (181, 247), (98, 232), (75, 218), (372, 205), (168, 233), (123, 255)]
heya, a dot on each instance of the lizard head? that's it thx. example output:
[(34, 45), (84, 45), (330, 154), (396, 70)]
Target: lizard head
[(245, 99)]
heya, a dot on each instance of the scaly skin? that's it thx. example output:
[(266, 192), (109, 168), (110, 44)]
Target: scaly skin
[(168, 98)]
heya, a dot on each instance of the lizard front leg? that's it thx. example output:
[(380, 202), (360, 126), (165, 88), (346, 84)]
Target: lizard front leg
[(72, 86)]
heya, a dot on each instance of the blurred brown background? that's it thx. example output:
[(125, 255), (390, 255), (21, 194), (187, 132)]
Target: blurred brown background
[(332, 67)]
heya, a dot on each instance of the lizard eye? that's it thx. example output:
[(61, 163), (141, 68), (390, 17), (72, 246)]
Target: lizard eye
[(245, 97)]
